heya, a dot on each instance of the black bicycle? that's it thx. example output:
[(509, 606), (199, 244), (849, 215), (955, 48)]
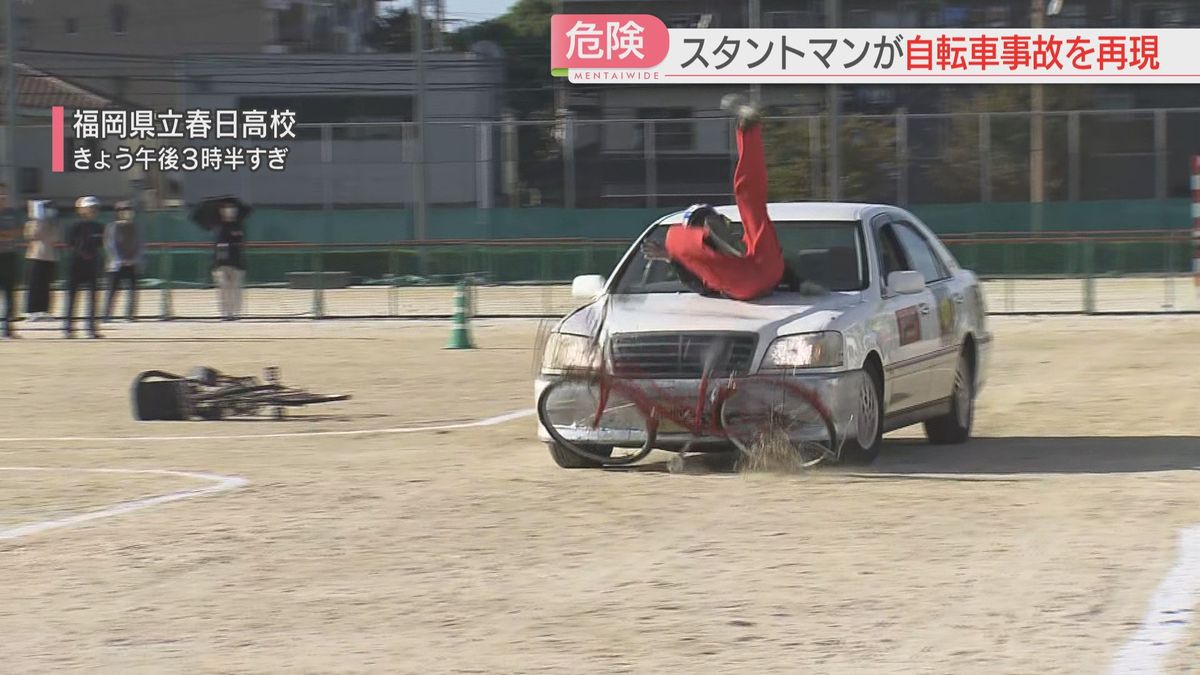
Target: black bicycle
[(209, 394)]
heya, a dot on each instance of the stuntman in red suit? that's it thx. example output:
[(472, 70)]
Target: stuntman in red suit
[(692, 245)]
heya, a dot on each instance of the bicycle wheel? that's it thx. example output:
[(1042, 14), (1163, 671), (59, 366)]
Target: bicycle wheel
[(778, 425), (567, 408), (298, 397)]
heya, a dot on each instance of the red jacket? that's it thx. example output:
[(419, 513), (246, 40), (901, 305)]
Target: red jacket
[(759, 272)]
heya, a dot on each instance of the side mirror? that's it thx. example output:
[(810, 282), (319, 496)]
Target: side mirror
[(906, 282), (587, 287)]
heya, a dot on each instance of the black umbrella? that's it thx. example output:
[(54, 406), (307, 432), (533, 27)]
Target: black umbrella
[(207, 213)]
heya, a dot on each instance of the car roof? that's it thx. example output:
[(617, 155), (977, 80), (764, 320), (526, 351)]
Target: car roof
[(784, 211)]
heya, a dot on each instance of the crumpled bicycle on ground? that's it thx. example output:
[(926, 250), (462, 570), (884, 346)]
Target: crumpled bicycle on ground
[(209, 394)]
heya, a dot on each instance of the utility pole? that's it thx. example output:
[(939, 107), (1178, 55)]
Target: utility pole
[(10, 102), (420, 226), (833, 12), (1037, 131), (755, 22)]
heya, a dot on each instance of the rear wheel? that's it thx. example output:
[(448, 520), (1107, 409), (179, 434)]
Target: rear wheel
[(955, 427), (868, 420), (777, 425)]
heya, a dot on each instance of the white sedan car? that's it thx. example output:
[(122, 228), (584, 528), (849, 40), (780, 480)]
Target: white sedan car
[(874, 314)]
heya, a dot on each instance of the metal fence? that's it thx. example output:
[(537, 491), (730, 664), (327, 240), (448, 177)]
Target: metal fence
[(1092, 273), (586, 163)]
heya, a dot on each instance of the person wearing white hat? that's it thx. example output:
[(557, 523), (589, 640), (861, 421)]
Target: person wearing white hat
[(85, 241)]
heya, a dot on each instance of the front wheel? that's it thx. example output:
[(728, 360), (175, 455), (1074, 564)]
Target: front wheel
[(868, 420), (570, 406), (571, 459), (955, 426)]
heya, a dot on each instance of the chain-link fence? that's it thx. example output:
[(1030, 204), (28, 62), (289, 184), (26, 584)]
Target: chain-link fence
[(1092, 273), (571, 162), (357, 225)]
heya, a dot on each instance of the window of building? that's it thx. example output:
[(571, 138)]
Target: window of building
[(120, 86), (25, 28), (673, 128), (339, 111), (70, 26), (29, 180), (997, 16), (290, 25), (120, 18), (682, 20), (792, 19)]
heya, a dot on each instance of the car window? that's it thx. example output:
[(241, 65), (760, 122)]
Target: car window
[(830, 254), (919, 254), (891, 255)]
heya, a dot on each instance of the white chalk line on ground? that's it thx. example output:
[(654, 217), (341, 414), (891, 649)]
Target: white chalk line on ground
[(486, 422), (219, 484), (1171, 612)]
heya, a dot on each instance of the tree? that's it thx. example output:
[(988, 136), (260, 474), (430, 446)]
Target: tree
[(393, 32), (522, 32), (957, 172), (868, 159)]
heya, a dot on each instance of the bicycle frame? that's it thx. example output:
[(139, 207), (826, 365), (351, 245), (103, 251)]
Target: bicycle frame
[(701, 417)]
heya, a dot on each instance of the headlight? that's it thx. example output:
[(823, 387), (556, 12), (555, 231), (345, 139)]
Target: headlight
[(808, 350), (569, 352)]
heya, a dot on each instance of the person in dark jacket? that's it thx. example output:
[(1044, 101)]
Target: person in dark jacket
[(229, 263), (85, 240), (10, 239), (123, 245)]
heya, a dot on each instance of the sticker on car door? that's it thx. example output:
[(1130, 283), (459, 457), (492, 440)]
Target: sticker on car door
[(909, 325)]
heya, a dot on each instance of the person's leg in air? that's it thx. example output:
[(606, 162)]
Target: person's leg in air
[(698, 244)]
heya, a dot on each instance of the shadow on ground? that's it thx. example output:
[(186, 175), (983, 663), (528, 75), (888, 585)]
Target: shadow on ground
[(993, 456), (1045, 455)]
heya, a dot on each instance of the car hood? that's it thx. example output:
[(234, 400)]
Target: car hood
[(778, 314)]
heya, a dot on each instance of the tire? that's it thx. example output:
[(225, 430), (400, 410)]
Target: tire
[(954, 427), (569, 460), (567, 454), (863, 448), (762, 412), (159, 399)]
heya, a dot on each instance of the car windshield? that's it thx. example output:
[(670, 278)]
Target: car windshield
[(828, 254)]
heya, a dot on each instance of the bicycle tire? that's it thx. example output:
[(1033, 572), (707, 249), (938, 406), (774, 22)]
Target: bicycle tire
[(544, 420), (299, 398), (810, 407)]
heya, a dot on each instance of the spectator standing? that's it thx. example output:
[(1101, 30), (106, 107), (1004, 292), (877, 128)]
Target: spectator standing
[(10, 242), (124, 246), (84, 241), (41, 258)]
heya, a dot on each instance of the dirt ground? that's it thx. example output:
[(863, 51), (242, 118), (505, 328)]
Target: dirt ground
[(1034, 549)]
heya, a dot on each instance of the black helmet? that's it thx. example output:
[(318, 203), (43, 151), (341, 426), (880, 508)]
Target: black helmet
[(701, 214)]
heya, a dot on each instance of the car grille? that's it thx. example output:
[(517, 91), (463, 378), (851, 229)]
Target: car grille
[(682, 355)]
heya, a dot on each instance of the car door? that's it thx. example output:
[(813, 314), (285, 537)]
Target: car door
[(906, 325), (940, 318)]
